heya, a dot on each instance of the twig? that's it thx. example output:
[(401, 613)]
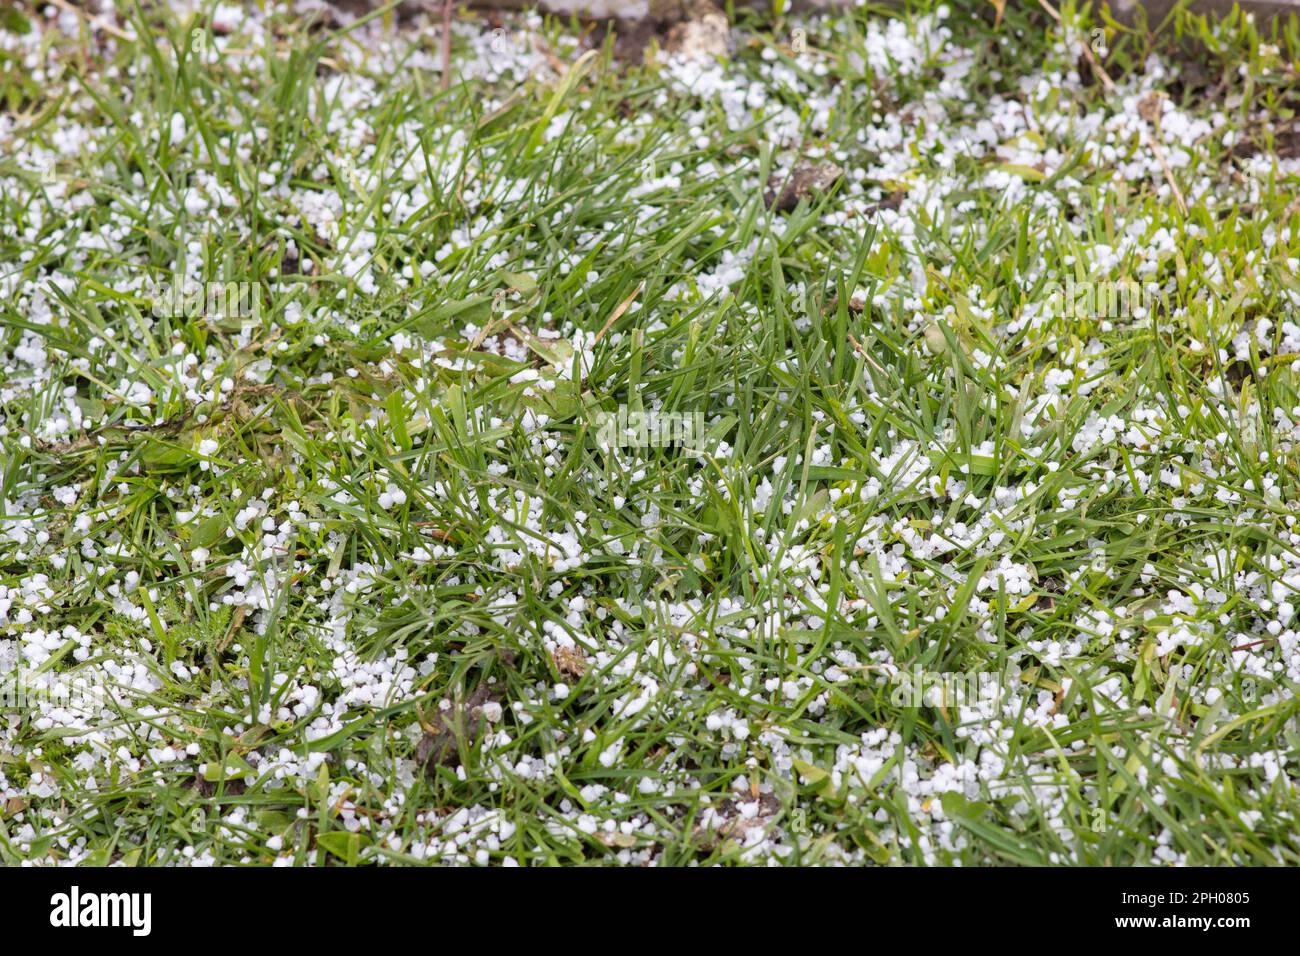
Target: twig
[(857, 346), (1164, 165), (93, 23), (1106, 81), (614, 316), (446, 44), (1246, 647)]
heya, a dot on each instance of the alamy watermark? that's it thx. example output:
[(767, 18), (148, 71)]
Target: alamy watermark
[(189, 298), (954, 689), (75, 908), (27, 693), (628, 429), (921, 688), (1105, 299)]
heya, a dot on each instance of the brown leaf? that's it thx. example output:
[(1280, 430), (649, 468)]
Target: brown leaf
[(1151, 106), (784, 192), (707, 34), (570, 661), (440, 745)]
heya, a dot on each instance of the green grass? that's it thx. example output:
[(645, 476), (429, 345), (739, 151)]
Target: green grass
[(904, 470)]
